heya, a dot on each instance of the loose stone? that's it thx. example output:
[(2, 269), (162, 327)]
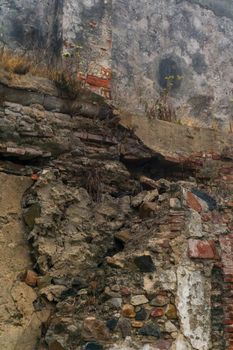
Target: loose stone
[(139, 300), (150, 330), (128, 311)]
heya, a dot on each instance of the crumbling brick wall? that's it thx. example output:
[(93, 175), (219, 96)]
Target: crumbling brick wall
[(131, 247)]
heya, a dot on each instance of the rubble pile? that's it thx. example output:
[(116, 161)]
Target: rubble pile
[(130, 248)]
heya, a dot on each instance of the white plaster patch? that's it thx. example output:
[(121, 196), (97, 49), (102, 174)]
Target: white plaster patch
[(181, 344), (193, 46), (195, 224), (193, 304), (167, 279)]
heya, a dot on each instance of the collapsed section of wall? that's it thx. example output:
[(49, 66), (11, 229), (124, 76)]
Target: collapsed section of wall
[(130, 240), (130, 51)]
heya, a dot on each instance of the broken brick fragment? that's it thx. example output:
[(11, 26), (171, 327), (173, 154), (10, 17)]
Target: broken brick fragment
[(202, 249), (193, 202), (31, 278)]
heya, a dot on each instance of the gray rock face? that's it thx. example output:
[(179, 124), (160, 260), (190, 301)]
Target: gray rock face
[(142, 44), (176, 38), (32, 25)]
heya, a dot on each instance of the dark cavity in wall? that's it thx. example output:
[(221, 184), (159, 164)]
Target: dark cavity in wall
[(199, 64), (27, 34), (32, 31), (169, 74)]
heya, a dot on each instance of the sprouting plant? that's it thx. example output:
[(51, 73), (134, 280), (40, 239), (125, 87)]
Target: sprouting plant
[(163, 108)]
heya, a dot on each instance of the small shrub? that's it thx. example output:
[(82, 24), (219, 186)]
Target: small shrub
[(162, 109), (65, 77), (65, 81)]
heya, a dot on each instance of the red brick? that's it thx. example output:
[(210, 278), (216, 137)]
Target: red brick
[(157, 312), (193, 202), (202, 249), (206, 217), (96, 81), (226, 244), (228, 329), (228, 279), (228, 322), (228, 286), (228, 178), (229, 204), (226, 171)]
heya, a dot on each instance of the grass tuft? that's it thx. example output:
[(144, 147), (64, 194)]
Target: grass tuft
[(65, 78)]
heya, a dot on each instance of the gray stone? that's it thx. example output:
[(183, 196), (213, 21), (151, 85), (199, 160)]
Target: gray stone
[(138, 300), (116, 302), (150, 330)]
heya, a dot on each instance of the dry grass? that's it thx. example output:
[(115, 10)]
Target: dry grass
[(65, 78), (65, 81), (162, 109), (17, 64)]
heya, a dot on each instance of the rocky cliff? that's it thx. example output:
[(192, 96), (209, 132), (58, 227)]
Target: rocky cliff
[(111, 238)]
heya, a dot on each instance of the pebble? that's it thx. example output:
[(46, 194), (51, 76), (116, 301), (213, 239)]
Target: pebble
[(151, 196), (125, 292), (122, 236), (112, 323), (139, 300), (128, 311), (150, 330), (110, 293), (159, 300), (170, 327), (125, 327), (114, 262), (157, 312), (171, 311), (147, 210), (93, 346), (175, 203), (141, 315), (31, 278), (94, 329), (137, 324), (117, 302)]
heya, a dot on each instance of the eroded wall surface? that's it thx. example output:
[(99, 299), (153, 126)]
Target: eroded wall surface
[(191, 39), (32, 26), (130, 237)]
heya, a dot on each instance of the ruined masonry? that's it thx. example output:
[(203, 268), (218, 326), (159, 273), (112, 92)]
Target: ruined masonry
[(112, 237), (125, 49)]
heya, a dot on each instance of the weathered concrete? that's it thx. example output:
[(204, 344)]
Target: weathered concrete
[(193, 298)]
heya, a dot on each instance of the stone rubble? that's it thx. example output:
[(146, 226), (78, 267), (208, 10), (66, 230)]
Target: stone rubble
[(130, 249)]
